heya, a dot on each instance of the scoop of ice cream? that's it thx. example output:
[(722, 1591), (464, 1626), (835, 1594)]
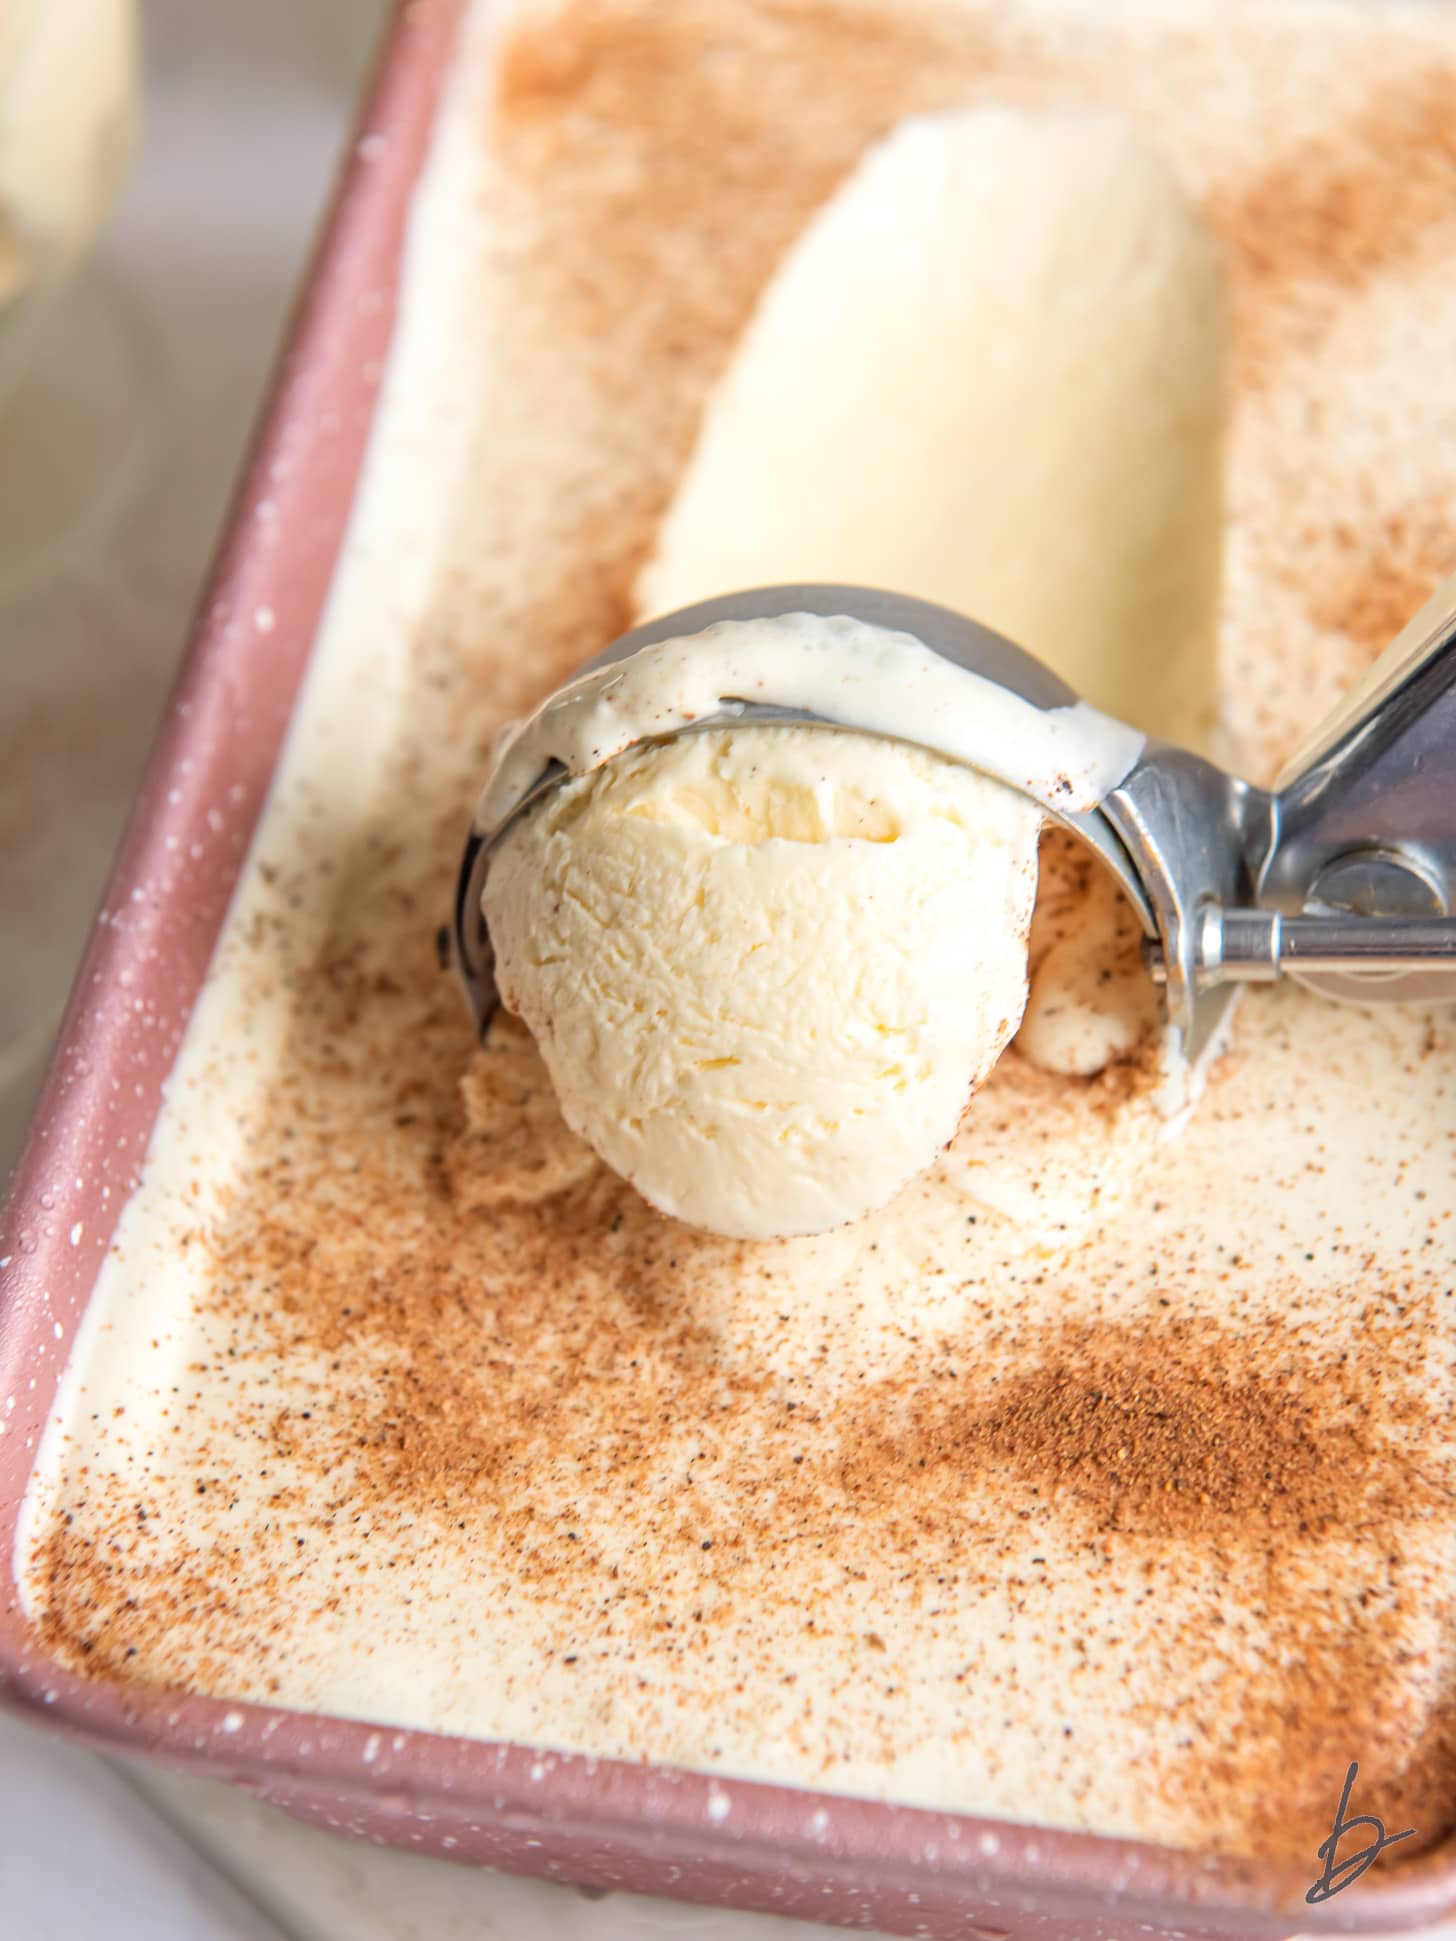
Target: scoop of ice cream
[(988, 373), (767, 967), (67, 126)]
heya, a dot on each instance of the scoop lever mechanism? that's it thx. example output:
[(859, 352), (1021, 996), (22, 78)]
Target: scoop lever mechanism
[(1258, 946), (1349, 863)]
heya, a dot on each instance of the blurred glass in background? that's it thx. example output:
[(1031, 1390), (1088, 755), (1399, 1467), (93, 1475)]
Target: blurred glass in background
[(135, 340), (73, 371)]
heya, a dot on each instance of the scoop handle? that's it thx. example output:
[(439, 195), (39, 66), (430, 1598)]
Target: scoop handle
[(1365, 814)]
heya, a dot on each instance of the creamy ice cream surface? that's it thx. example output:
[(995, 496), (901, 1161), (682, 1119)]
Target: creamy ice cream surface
[(768, 966)]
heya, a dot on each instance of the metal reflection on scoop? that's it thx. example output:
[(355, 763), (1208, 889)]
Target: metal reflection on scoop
[(1341, 876)]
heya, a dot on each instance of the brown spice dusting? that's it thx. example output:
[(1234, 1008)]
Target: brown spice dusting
[(1385, 573), (1171, 1429), (1368, 195), (1173, 1432), (1360, 198)]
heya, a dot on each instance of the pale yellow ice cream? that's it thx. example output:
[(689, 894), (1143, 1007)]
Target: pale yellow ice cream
[(766, 967), (989, 373)]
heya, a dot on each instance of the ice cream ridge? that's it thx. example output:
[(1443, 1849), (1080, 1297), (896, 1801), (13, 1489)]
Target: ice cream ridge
[(769, 966)]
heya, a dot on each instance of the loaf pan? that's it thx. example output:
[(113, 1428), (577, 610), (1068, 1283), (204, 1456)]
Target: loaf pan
[(596, 1823)]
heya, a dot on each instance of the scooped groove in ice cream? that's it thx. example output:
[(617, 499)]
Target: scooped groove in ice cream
[(989, 373), (767, 966)]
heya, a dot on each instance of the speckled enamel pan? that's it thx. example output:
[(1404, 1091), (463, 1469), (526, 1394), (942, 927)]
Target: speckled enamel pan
[(594, 1822)]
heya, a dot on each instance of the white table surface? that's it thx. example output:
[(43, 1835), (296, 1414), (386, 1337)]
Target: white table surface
[(246, 102)]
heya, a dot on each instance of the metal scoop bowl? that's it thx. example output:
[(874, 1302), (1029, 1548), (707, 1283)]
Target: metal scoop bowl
[(1341, 876)]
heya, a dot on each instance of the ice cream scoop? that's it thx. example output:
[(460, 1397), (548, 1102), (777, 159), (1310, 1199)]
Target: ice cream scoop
[(1014, 323), (1342, 876)]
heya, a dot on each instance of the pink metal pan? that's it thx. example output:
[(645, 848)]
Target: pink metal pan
[(596, 1823)]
